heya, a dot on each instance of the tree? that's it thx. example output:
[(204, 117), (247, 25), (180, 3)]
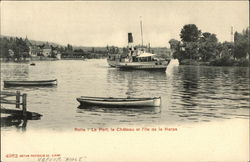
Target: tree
[(20, 48), (190, 33), (69, 47), (190, 50), (189, 47), (227, 49), (78, 52), (4, 42), (208, 46), (175, 48), (69, 50), (241, 42)]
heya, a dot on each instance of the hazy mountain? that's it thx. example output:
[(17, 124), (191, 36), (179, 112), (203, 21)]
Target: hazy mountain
[(38, 42), (34, 41), (85, 48)]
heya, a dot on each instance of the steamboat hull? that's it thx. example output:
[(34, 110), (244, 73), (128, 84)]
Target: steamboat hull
[(148, 68), (142, 66)]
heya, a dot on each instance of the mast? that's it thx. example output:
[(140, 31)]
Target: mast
[(232, 34), (232, 39), (141, 33)]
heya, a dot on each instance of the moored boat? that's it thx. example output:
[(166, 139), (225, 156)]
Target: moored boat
[(31, 83), (120, 102)]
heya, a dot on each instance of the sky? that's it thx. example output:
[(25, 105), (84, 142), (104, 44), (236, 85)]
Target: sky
[(101, 23)]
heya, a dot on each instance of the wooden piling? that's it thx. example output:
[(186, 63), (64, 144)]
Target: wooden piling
[(18, 96), (21, 99), (24, 104)]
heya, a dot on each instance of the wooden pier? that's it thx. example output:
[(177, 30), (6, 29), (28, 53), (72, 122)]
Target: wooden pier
[(20, 102)]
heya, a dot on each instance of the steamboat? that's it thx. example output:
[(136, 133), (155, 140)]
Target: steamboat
[(136, 58)]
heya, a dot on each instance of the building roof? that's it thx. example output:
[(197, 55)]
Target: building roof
[(27, 42), (145, 54), (47, 46)]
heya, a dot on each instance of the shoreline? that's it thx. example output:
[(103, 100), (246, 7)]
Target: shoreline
[(213, 63), (220, 62)]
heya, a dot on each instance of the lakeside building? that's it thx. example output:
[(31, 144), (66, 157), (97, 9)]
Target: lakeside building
[(44, 50), (35, 50), (47, 51), (11, 52)]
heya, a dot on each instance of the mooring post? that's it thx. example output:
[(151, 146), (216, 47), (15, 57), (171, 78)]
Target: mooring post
[(18, 99), (24, 104)]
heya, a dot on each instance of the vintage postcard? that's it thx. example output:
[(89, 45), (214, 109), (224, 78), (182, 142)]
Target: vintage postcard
[(124, 81)]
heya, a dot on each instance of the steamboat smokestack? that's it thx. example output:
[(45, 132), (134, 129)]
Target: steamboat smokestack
[(130, 38)]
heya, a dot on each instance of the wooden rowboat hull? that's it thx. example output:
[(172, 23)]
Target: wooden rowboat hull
[(31, 83), (120, 102)]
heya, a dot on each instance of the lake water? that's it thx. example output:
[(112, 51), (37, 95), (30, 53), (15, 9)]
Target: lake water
[(190, 94)]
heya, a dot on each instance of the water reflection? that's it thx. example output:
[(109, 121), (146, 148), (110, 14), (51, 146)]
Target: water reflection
[(15, 71), (128, 116), (14, 121), (31, 88), (190, 82), (17, 121), (115, 74), (136, 83), (209, 93), (119, 110)]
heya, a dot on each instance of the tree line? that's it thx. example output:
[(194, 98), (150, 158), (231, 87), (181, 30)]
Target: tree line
[(198, 47), (70, 52), (13, 48), (19, 49)]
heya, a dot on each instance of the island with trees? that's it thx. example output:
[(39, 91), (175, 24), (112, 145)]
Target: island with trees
[(203, 48)]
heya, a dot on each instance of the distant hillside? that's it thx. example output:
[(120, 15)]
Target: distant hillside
[(35, 41), (85, 48), (43, 42)]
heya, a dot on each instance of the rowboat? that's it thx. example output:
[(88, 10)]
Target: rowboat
[(119, 102), (31, 83)]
